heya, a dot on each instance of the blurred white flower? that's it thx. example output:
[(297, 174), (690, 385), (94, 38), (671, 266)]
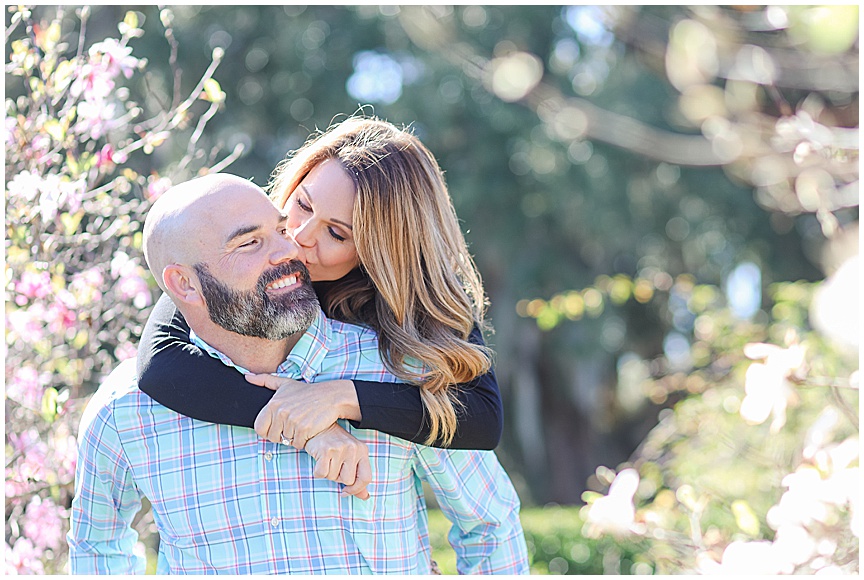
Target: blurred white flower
[(115, 56), (820, 432), (793, 545), (831, 570), (836, 305), (25, 185), (810, 498), (744, 559), (615, 513), (766, 385)]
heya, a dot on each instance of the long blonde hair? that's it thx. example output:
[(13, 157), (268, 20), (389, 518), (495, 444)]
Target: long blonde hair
[(420, 289)]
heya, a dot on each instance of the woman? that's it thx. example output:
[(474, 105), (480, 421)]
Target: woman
[(368, 205)]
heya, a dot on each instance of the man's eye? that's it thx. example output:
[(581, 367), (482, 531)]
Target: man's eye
[(248, 244)]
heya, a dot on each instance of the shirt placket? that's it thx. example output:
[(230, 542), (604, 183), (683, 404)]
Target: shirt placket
[(272, 500)]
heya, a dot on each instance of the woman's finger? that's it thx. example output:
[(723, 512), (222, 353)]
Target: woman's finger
[(276, 432), (271, 382), (263, 421)]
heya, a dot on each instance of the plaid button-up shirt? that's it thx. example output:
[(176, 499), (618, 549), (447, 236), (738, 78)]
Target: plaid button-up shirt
[(227, 501)]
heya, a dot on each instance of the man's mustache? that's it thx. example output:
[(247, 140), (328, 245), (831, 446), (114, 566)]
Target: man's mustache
[(282, 270)]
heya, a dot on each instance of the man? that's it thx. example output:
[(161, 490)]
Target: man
[(225, 500)]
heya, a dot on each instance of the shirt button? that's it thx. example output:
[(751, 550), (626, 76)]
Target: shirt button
[(274, 522), (268, 456)]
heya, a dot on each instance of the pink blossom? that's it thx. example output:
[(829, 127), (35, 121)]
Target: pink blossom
[(33, 285), (60, 318), (130, 280), (135, 287), (21, 441), (14, 488), (28, 323), (94, 83), (34, 465), (156, 186), (40, 147), (125, 350), (43, 523), (114, 56), (86, 286), (26, 387), (23, 558), (94, 117), (107, 157)]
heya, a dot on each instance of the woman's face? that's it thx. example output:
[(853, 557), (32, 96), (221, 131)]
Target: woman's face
[(320, 215)]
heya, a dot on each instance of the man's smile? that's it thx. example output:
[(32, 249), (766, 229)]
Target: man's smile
[(283, 282)]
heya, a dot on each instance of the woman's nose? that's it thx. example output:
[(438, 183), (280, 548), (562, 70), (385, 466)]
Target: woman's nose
[(303, 234)]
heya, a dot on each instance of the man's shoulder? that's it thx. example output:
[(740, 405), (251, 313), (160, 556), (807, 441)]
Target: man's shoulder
[(117, 392)]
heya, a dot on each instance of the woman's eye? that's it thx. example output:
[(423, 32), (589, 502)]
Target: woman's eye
[(302, 205), (335, 235)]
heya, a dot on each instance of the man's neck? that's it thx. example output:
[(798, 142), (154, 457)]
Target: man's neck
[(257, 355)]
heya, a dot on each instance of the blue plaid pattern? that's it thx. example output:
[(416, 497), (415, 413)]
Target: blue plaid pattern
[(226, 501)]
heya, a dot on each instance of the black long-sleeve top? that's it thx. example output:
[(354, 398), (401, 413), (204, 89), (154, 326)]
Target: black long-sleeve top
[(179, 375)]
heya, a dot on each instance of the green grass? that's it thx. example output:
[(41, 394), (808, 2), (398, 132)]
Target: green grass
[(555, 545)]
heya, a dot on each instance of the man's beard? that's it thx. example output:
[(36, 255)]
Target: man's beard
[(253, 312)]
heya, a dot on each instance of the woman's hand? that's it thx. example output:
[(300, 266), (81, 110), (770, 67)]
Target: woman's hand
[(299, 411), (340, 457)]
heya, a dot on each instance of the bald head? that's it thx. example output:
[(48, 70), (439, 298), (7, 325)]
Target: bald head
[(186, 221)]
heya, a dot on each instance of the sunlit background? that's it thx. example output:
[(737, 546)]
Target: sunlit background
[(662, 200)]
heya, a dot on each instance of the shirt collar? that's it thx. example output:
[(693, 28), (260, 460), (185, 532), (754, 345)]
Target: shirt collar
[(305, 359)]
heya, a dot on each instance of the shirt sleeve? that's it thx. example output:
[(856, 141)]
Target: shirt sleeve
[(101, 538), (186, 379), (397, 409), (478, 497)]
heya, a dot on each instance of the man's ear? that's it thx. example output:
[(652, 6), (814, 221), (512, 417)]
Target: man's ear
[(182, 283)]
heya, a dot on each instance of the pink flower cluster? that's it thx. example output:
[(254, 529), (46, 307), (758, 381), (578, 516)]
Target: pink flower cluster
[(26, 386), (86, 286), (95, 84), (43, 523), (156, 186), (32, 285), (130, 280), (23, 558)]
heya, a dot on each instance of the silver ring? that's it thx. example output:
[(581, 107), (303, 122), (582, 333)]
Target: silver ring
[(287, 441)]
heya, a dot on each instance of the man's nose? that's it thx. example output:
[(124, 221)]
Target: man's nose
[(286, 249)]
